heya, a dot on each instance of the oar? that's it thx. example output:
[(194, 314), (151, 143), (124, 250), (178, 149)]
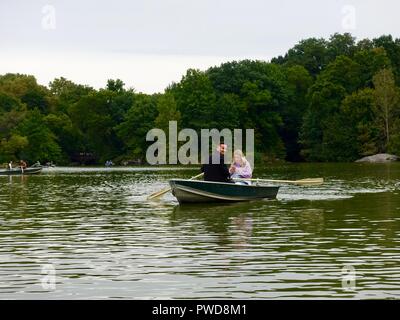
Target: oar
[(304, 182), (164, 191)]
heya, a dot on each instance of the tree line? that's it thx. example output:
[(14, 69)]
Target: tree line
[(324, 100)]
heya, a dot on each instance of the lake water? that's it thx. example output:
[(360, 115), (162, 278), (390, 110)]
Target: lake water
[(78, 233)]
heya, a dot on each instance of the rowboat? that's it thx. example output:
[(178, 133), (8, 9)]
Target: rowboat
[(192, 191), (18, 171)]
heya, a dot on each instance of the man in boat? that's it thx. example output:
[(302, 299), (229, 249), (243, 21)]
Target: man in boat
[(217, 172), (10, 165)]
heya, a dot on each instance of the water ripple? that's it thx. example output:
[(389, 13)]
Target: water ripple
[(106, 241)]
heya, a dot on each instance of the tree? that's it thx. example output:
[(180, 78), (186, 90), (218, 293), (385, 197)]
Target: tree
[(137, 122), (325, 98), (350, 132), (392, 48), (115, 85), (196, 100), (343, 71), (42, 142), (310, 53), (263, 113), (67, 135), (358, 114), (119, 102), (340, 44), (253, 95), (9, 120), (13, 148), (230, 111), (25, 88), (370, 62), (66, 92), (231, 76), (167, 111), (298, 83), (8, 102), (93, 116), (387, 102), (339, 79)]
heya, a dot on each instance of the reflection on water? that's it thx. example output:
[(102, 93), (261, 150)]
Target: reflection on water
[(106, 241)]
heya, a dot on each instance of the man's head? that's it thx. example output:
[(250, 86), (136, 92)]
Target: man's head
[(222, 148)]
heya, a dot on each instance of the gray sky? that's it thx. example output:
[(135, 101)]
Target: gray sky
[(150, 43)]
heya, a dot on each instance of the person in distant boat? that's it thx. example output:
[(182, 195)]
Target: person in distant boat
[(23, 165), (240, 167), (218, 172), (10, 165), (109, 163)]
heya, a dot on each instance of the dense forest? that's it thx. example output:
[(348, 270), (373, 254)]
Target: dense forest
[(324, 100)]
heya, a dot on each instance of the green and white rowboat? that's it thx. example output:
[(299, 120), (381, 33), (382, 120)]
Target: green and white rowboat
[(192, 191), (18, 171)]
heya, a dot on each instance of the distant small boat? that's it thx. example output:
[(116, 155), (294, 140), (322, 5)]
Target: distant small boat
[(18, 171), (192, 191)]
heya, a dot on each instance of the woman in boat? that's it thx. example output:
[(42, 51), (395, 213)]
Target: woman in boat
[(240, 167)]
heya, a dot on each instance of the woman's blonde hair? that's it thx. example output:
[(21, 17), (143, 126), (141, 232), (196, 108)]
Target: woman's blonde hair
[(242, 157)]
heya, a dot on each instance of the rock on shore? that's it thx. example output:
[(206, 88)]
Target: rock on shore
[(379, 158)]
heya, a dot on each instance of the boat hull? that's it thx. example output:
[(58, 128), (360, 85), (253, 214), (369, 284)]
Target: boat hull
[(18, 171), (191, 191)]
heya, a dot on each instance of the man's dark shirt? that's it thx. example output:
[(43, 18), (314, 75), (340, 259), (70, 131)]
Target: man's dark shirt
[(216, 172)]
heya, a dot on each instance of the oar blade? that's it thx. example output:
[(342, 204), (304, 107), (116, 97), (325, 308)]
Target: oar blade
[(158, 194), (164, 191), (310, 181)]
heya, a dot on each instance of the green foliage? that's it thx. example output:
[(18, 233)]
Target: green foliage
[(330, 130), (196, 100), (298, 83), (231, 109), (324, 100), (358, 113), (351, 131), (115, 85), (138, 120), (26, 89), (8, 103), (340, 44), (394, 143), (386, 104), (93, 117), (42, 142), (66, 93), (67, 135), (167, 111), (12, 148), (370, 62), (252, 94), (310, 53), (392, 49)]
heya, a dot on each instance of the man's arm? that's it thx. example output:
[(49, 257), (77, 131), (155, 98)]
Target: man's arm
[(224, 169)]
